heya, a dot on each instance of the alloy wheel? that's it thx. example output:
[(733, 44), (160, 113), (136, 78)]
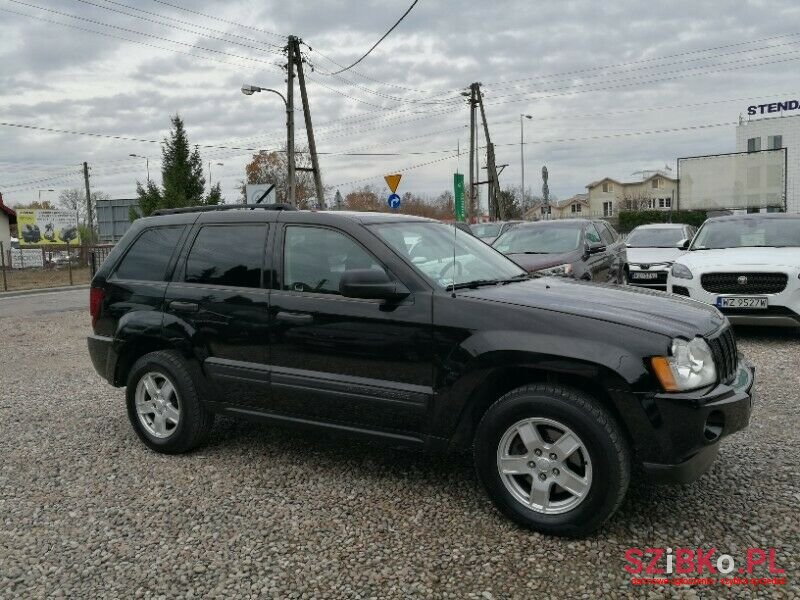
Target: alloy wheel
[(157, 405), (544, 465)]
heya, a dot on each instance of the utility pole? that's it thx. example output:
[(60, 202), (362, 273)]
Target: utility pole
[(472, 142), (89, 217), (496, 209), (290, 120), (294, 49)]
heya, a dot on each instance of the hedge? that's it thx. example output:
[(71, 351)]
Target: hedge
[(629, 219)]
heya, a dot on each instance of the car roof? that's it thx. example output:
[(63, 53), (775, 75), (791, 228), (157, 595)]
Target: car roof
[(365, 218), (753, 216), (662, 226), (555, 222)]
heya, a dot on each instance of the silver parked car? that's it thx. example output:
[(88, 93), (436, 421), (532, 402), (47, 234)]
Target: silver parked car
[(651, 251)]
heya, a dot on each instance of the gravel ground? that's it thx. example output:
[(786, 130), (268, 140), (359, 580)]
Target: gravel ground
[(88, 512)]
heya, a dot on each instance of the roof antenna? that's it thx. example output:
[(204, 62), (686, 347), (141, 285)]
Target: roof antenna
[(455, 233)]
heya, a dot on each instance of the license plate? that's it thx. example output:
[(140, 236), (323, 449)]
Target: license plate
[(751, 302), (638, 275)]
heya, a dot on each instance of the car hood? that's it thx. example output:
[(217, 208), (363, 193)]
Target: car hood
[(487, 240), (736, 258), (653, 255), (536, 262), (643, 309)]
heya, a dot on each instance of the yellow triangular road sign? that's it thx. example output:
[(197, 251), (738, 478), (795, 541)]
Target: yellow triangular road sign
[(393, 181)]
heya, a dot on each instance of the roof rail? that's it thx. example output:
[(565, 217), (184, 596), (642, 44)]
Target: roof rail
[(220, 207)]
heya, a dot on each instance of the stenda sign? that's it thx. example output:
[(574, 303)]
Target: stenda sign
[(773, 107)]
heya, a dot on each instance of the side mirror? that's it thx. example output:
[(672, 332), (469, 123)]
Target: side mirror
[(370, 284), (595, 247), (684, 244)]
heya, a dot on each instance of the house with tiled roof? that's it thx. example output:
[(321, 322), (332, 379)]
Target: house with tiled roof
[(7, 218)]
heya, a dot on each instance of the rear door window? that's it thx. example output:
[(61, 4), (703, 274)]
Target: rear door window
[(227, 255), (149, 256)]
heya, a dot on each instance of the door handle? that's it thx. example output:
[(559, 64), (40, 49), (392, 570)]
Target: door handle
[(290, 317), (179, 306)]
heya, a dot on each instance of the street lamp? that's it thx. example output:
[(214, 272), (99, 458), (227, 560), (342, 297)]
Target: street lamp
[(147, 163), (40, 193), (249, 90), (219, 164), (522, 156)]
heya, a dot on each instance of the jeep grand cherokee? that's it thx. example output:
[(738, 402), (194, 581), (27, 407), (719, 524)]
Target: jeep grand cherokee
[(405, 330)]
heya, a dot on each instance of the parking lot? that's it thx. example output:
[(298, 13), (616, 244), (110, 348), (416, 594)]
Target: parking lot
[(261, 512)]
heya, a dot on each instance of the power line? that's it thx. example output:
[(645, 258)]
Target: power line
[(627, 83), (136, 32), (167, 24), (215, 18), (125, 39), (646, 60), (383, 37)]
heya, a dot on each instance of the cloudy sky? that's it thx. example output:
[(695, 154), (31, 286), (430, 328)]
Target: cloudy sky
[(612, 87)]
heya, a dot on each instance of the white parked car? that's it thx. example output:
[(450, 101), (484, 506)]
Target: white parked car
[(748, 266), (651, 251)]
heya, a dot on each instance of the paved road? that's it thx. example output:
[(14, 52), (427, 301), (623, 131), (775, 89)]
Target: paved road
[(44, 303)]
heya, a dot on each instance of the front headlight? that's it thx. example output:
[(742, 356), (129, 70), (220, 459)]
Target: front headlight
[(562, 270), (689, 366), (681, 271)]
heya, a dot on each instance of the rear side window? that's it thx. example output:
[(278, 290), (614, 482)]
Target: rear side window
[(148, 257), (229, 255)]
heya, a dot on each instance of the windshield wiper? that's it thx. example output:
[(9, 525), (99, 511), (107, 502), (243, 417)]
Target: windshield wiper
[(484, 282), (472, 284), (530, 252), (522, 277)]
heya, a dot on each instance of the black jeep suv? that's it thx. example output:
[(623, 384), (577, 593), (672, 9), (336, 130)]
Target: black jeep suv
[(407, 330)]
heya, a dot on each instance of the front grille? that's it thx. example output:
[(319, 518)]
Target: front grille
[(726, 356), (744, 283)]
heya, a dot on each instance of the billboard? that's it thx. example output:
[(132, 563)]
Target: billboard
[(733, 181), (47, 227)]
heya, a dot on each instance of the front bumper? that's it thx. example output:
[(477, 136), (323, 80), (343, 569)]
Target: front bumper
[(783, 310), (687, 427)]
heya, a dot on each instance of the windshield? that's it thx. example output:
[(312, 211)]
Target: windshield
[(486, 230), (430, 248), (546, 239), (748, 233), (661, 237)]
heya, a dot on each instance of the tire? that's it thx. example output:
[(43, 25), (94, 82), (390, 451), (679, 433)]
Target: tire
[(597, 471), (175, 422)]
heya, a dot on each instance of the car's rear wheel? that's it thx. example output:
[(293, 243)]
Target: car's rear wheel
[(552, 459), (164, 405)]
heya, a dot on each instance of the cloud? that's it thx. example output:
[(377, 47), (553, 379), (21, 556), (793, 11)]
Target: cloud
[(545, 59)]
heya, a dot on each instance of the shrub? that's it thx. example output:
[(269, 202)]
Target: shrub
[(629, 219)]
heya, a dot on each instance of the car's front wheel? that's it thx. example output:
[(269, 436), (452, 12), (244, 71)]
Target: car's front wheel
[(552, 459), (164, 405)]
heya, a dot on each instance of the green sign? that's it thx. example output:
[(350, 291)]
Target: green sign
[(458, 192)]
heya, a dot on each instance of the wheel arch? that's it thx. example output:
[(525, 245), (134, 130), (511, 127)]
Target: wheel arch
[(592, 379)]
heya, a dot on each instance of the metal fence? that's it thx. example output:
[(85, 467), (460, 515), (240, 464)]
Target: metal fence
[(47, 266)]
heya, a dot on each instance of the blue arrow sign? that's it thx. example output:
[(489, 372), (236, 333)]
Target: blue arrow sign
[(393, 201)]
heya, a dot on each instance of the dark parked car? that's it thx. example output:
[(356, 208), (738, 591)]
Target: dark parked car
[(578, 248), (489, 232), (324, 320)]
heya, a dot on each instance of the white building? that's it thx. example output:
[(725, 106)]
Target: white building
[(772, 133), (7, 218)]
